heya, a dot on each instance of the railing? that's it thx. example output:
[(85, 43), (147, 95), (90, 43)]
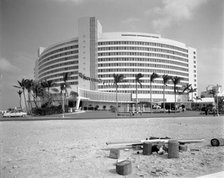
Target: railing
[(104, 96)]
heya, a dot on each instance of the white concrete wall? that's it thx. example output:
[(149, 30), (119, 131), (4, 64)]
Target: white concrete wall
[(84, 52), (193, 74), (88, 36)]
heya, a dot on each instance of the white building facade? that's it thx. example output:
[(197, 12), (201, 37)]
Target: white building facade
[(99, 55)]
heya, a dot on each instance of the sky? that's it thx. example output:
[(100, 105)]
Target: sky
[(26, 25)]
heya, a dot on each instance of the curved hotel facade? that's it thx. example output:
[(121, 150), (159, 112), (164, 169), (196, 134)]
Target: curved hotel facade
[(94, 54)]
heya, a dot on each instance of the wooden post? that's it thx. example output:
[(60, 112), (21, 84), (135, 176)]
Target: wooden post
[(173, 149), (147, 148), (114, 153), (124, 167)]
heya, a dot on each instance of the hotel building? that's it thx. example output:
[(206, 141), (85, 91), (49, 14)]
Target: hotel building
[(94, 54)]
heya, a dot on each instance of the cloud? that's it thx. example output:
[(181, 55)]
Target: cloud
[(131, 23), (210, 59), (72, 1), (130, 20), (6, 66), (173, 11)]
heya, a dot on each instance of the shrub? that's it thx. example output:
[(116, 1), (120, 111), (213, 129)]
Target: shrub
[(113, 109), (48, 110), (96, 107)]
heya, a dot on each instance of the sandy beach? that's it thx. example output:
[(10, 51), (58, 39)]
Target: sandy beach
[(77, 148)]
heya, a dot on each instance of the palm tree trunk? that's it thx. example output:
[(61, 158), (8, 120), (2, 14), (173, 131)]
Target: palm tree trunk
[(116, 102), (63, 105), (20, 102), (25, 100), (174, 98), (175, 102), (217, 105), (164, 98), (29, 103), (136, 97), (35, 101), (48, 93), (150, 97)]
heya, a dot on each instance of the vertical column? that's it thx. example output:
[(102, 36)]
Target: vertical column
[(93, 52), (88, 32), (77, 103)]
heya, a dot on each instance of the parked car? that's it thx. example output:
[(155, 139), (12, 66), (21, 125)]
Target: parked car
[(156, 107), (14, 114)]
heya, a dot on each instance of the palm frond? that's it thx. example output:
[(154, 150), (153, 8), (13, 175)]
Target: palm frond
[(138, 77), (176, 80), (118, 78), (73, 93), (192, 90), (186, 87), (166, 78), (16, 86), (154, 76), (55, 90), (19, 92), (65, 76)]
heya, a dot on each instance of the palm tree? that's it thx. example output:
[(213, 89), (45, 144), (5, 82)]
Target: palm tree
[(48, 84), (166, 78), (28, 86), (152, 78), (74, 94), (38, 91), (20, 93), (213, 92), (137, 80), (57, 92), (191, 90), (185, 90), (64, 87), (22, 85), (176, 80), (118, 78)]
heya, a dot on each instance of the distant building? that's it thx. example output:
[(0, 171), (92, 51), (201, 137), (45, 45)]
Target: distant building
[(208, 92), (94, 54)]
